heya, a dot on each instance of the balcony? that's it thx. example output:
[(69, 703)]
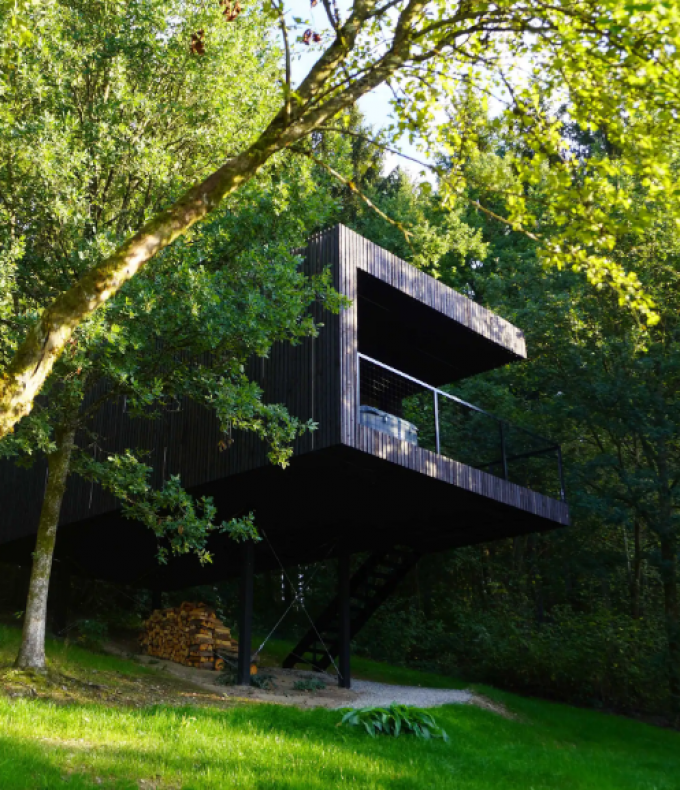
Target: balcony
[(411, 410)]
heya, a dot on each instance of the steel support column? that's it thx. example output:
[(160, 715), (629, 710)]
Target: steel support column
[(245, 617), (344, 635)]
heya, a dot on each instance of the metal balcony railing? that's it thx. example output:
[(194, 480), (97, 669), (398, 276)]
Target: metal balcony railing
[(409, 409)]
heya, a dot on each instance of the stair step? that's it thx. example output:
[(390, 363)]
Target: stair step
[(369, 587)]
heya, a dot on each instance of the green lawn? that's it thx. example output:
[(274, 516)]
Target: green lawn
[(83, 745)]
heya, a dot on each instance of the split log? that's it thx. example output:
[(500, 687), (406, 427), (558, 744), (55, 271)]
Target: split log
[(190, 634)]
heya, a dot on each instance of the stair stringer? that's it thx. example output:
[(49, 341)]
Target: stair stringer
[(366, 595)]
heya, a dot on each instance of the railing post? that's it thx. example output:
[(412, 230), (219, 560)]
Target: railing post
[(504, 457), (358, 411), (436, 421), (563, 497)]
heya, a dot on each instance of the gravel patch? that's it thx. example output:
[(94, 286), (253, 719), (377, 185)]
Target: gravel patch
[(370, 694), (363, 694)]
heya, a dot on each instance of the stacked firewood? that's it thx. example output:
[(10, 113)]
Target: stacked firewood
[(190, 634)]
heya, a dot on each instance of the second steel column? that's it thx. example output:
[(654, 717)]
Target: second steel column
[(344, 676), (245, 616)]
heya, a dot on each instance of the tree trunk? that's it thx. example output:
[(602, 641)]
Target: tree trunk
[(637, 573), (32, 651), (672, 615)]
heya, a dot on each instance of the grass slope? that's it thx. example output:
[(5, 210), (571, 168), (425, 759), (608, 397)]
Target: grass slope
[(45, 745)]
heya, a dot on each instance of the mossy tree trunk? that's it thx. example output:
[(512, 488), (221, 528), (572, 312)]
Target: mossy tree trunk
[(669, 552), (32, 651)]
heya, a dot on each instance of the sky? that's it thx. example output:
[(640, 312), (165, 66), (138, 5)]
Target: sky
[(375, 106)]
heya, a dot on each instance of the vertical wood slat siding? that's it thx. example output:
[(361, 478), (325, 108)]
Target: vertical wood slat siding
[(449, 470), (286, 377), (392, 270)]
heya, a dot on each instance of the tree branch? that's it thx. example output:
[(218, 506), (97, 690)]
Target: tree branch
[(33, 361), (354, 188), (286, 46)]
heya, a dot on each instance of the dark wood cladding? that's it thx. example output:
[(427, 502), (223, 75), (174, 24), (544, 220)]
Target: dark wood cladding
[(358, 254), (424, 461), (316, 380), (186, 441)]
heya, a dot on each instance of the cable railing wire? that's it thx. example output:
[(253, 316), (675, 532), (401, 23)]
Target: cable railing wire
[(414, 411)]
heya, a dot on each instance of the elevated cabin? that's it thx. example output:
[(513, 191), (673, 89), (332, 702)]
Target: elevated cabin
[(395, 462)]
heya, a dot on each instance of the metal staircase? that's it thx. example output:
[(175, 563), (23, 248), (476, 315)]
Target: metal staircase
[(370, 586)]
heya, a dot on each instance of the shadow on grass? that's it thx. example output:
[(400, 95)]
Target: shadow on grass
[(249, 748), (43, 745), (67, 656), (26, 765)]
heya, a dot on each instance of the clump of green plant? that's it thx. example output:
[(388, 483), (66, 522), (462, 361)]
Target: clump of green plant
[(263, 681), (309, 684), (91, 634), (227, 678), (394, 720)]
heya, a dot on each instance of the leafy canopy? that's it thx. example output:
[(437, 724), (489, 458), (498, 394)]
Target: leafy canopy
[(612, 65), (105, 121)]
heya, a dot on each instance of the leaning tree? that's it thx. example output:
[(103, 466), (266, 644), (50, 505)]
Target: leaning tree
[(109, 112), (103, 123), (612, 63)]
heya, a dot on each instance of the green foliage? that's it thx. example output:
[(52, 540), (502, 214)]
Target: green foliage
[(546, 745), (91, 633), (260, 680), (263, 680), (109, 117), (227, 678), (179, 520), (309, 684), (588, 613), (394, 720)]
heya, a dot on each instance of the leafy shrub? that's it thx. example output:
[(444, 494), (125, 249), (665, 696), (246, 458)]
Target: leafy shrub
[(400, 634), (593, 658), (227, 678), (92, 634), (597, 657), (263, 681), (395, 720), (309, 684)]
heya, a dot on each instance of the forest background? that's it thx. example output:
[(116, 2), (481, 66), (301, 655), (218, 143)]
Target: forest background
[(588, 614)]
